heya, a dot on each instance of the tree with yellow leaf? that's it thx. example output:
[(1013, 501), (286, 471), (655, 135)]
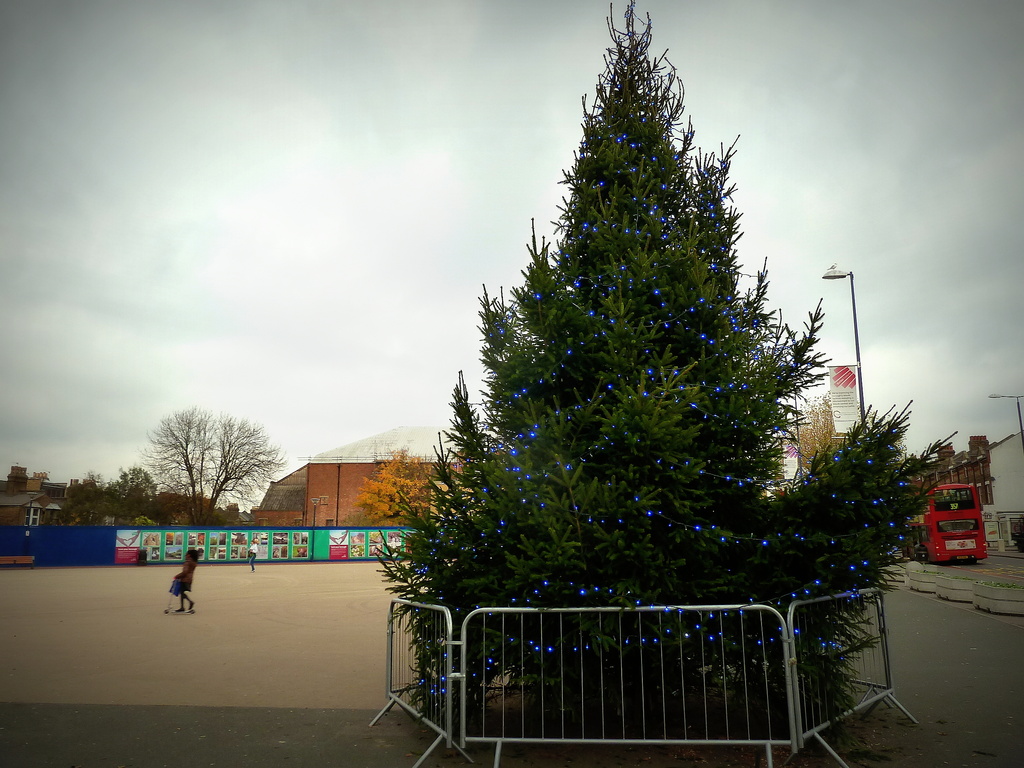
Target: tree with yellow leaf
[(817, 430), (398, 487)]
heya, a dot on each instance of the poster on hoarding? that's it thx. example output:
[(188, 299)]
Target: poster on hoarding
[(348, 544), (129, 540), (842, 389), (376, 543), (279, 545), (338, 545), (300, 544), (396, 542), (151, 543), (260, 539), (357, 544)]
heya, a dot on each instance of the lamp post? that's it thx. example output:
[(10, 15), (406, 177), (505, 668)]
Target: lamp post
[(838, 274)]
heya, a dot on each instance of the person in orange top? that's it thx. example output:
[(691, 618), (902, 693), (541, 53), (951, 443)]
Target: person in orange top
[(185, 577)]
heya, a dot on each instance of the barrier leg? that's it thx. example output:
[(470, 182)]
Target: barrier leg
[(832, 752), (895, 702), (431, 748), (387, 708)]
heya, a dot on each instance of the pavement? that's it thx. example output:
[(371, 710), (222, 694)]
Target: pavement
[(285, 666)]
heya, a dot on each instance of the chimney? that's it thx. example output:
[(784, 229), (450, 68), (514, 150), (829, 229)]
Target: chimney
[(17, 480), (946, 454), (977, 445)]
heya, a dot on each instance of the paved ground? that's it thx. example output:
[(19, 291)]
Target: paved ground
[(285, 666)]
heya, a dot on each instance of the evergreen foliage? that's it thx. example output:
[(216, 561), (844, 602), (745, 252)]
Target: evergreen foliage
[(638, 392), (637, 396)]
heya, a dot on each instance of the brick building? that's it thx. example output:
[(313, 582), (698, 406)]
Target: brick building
[(31, 500), (323, 491), (971, 467), (282, 503)]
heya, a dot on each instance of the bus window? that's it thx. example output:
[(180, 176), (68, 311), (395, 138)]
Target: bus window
[(952, 499), (953, 526)]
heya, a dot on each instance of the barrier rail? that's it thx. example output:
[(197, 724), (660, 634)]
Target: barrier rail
[(418, 668), (722, 675), (697, 675), (844, 631)]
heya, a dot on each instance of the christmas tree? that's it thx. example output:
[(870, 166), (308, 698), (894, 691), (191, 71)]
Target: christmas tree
[(638, 393)]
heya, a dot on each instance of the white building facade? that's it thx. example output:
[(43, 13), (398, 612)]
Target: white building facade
[(1007, 469)]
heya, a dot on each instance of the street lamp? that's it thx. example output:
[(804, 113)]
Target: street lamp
[(838, 274), (1020, 421)]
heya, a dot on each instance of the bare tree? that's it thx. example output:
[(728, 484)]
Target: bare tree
[(208, 459)]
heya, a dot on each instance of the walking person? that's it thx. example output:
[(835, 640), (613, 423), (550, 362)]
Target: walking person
[(252, 555), (185, 579)]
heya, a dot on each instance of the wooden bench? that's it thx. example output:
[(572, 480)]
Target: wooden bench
[(28, 560)]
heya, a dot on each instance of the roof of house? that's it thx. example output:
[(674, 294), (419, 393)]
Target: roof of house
[(997, 443), (298, 477), (283, 498), (27, 498), (421, 442), (287, 494)]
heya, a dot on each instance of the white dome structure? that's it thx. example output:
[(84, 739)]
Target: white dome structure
[(421, 442)]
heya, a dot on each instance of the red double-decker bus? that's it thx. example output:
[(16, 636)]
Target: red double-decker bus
[(951, 528)]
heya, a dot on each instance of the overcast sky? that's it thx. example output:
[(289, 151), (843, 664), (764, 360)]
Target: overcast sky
[(286, 210)]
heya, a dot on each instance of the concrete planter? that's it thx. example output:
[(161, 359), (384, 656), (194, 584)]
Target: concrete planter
[(921, 581), (954, 589), (1005, 600)]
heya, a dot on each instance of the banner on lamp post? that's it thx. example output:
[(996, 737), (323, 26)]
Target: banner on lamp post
[(842, 389), (790, 461)]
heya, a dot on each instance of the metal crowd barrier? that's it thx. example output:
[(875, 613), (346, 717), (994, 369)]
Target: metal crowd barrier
[(696, 675), (847, 631), (418, 668), (722, 675)]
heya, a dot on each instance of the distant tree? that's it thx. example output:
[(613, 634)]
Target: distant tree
[(131, 499), (397, 488), (87, 503), (817, 430), (172, 507), (133, 495), (209, 459), (818, 436)]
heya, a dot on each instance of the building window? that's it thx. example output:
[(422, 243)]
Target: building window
[(32, 515)]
